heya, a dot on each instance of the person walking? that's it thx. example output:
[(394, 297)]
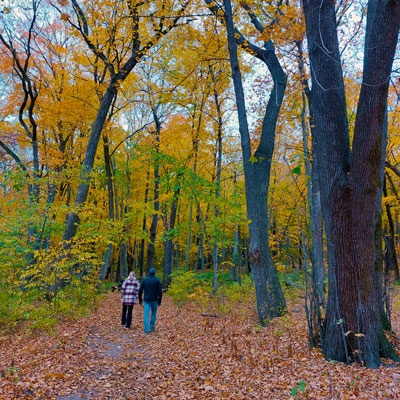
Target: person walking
[(151, 300), (129, 295)]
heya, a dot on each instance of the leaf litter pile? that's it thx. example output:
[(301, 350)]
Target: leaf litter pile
[(191, 355)]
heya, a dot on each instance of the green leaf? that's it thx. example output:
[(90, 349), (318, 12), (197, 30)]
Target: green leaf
[(302, 385), (297, 170)]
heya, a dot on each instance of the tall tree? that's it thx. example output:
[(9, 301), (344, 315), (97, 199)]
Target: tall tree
[(349, 176), (257, 166), (20, 48), (218, 162), (132, 37), (154, 95), (316, 298), (34, 66)]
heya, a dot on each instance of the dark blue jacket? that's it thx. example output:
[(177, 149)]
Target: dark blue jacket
[(152, 288)]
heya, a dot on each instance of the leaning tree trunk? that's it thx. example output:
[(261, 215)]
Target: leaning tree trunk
[(350, 179), (72, 221)]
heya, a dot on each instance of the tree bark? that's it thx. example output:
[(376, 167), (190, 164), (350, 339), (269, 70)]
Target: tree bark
[(350, 179), (315, 300), (269, 295), (105, 268)]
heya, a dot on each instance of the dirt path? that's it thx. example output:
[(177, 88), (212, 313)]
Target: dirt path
[(94, 358), (189, 356)]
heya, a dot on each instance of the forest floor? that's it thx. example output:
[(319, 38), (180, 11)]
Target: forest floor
[(189, 356)]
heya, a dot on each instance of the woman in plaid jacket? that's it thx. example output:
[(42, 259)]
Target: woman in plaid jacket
[(129, 295)]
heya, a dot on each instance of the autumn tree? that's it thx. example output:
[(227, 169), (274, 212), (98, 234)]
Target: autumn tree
[(204, 94), (20, 47), (350, 177), (199, 90), (135, 32), (37, 59), (257, 165)]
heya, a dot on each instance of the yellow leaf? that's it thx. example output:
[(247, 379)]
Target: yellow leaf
[(265, 36)]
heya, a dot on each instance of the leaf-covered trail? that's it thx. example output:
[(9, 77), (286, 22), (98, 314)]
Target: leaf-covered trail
[(189, 356)]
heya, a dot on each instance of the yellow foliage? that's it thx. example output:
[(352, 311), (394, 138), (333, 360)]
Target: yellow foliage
[(280, 268), (265, 36), (389, 200)]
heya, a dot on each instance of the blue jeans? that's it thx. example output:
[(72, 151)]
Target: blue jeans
[(149, 307)]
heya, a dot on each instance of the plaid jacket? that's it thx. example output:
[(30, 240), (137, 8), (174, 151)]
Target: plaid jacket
[(129, 291)]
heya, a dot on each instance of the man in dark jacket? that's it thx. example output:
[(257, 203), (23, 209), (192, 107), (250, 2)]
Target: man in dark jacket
[(151, 286)]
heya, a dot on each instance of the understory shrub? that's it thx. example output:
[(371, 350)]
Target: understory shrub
[(59, 284), (191, 287), (188, 286)]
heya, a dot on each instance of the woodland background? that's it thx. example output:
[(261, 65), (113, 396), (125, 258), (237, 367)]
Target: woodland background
[(120, 149)]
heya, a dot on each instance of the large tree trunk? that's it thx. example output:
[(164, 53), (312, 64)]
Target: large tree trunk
[(269, 295), (350, 185), (144, 227)]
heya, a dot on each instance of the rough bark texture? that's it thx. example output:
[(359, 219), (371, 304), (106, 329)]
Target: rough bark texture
[(349, 189)]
